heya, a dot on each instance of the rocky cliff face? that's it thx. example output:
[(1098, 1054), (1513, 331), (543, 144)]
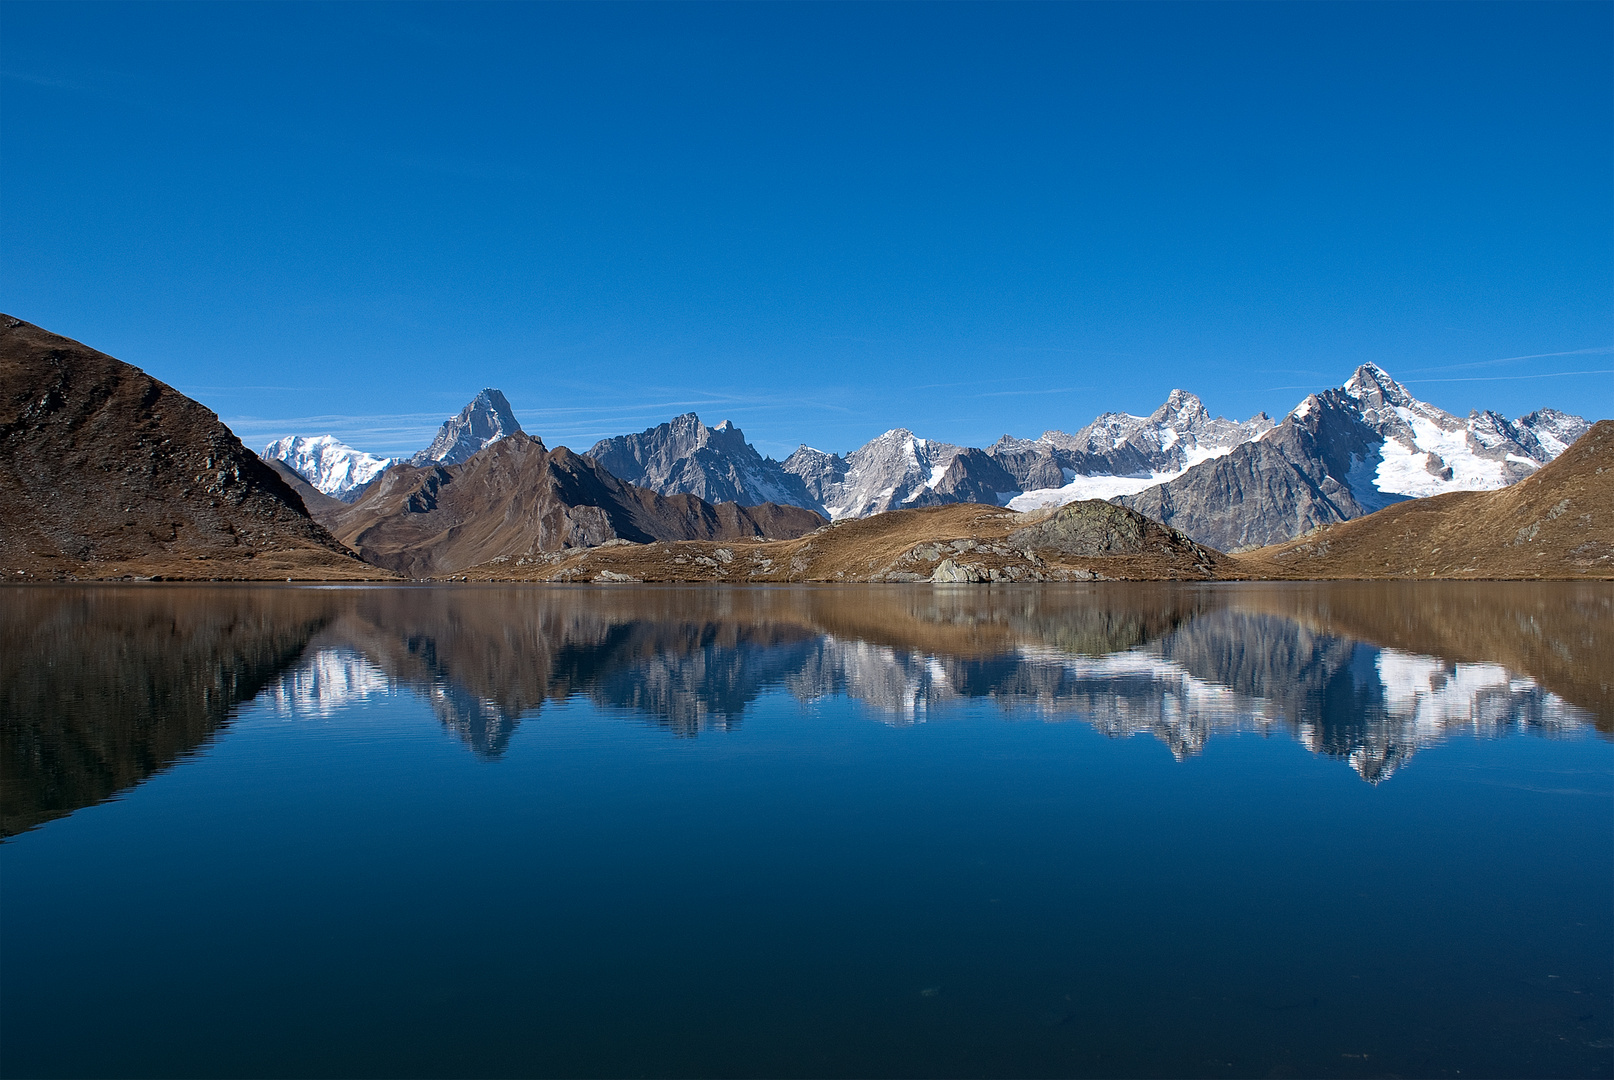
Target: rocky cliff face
[(517, 502), (972, 476), (1260, 493), (484, 421), (685, 457), (819, 472), (108, 472)]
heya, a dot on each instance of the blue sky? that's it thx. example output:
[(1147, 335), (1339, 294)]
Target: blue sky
[(819, 221)]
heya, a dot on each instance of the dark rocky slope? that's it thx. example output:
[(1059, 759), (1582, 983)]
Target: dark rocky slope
[(109, 472)]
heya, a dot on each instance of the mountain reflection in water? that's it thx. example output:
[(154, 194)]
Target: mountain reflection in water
[(103, 685)]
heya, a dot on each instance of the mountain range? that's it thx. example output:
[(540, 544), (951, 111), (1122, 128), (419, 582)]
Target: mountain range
[(516, 502), (685, 457), (110, 472), (1347, 452), (1234, 485)]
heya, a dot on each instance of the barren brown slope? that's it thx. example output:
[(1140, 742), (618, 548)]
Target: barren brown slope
[(1558, 523), (516, 501), (108, 472), (961, 542)]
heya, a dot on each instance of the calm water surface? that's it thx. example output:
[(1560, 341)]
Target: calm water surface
[(1349, 830)]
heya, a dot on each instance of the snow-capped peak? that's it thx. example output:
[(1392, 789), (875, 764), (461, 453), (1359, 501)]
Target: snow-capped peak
[(1369, 377), (1425, 450), (328, 464), (894, 469)]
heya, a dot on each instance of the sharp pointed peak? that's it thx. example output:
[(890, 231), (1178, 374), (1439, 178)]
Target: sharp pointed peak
[(1371, 379), (1371, 373)]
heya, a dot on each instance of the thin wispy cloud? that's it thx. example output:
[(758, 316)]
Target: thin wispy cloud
[(377, 434), (1509, 378), (1038, 390), (1597, 350)]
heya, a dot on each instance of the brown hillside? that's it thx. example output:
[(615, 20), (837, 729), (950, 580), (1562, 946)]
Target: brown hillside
[(516, 501), (1558, 523), (108, 472), (960, 542)]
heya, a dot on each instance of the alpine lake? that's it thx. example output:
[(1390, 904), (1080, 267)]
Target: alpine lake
[(1245, 830)]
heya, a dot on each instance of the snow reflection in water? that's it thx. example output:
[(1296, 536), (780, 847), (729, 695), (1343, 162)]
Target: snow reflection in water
[(1215, 674)]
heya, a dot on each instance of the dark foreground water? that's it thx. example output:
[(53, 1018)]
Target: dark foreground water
[(1352, 830)]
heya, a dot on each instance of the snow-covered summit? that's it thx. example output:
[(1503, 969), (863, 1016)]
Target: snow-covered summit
[(888, 472), (330, 465), (1425, 450), (1122, 454)]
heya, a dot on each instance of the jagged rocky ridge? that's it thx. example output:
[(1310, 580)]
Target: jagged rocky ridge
[(685, 457), (1119, 453), (1115, 454), (483, 422), (517, 502)]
